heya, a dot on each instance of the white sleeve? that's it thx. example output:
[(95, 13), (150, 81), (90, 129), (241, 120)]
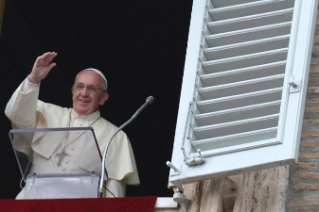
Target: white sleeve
[(27, 86), (22, 106), (117, 188)]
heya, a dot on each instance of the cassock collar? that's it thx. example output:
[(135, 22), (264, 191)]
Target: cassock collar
[(89, 118)]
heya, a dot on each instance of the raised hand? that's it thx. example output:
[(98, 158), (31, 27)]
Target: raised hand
[(42, 67)]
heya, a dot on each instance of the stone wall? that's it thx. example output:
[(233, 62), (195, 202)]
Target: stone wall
[(261, 191)]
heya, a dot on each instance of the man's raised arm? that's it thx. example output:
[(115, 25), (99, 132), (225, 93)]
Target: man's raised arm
[(21, 108)]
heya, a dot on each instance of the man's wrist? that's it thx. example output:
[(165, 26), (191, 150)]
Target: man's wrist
[(33, 81), (28, 86)]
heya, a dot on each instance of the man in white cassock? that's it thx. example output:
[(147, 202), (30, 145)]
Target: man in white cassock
[(88, 93)]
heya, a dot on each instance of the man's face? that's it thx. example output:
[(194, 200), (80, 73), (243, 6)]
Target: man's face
[(87, 94)]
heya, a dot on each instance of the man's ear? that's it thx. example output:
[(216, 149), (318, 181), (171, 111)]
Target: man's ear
[(103, 99), (72, 90)]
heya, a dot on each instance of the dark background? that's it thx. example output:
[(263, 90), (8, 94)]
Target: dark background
[(139, 45)]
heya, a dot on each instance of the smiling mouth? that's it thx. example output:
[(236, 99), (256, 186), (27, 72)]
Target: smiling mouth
[(83, 101)]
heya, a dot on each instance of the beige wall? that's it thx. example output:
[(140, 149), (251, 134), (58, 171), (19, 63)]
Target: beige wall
[(2, 3)]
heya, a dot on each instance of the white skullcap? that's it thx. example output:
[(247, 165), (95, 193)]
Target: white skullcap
[(96, 71)]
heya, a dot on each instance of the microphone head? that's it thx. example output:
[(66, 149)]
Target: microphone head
[(150, 100)]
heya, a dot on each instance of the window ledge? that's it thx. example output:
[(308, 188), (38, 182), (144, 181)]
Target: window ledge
[(165, 203)]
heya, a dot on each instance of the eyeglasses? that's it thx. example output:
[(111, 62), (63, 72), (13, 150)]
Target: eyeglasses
[(90, 88)]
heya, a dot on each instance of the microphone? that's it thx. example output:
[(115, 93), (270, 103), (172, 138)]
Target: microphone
[(149, 100)]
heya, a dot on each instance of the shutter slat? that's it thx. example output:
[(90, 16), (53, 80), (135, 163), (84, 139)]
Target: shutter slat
[(255, 33), (251, 8), (237, 75), (235, 127), (248, 47), (239, 113), (226, 3), (245, 61), (236, 139), (239, 100), (250, 21), (241, 87)]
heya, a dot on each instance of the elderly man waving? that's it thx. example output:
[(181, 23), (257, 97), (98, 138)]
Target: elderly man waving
[(89, 92)]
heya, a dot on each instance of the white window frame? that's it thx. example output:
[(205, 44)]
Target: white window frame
[(286, 149)]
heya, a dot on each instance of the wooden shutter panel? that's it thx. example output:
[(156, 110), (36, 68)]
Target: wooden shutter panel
[(241, 83)]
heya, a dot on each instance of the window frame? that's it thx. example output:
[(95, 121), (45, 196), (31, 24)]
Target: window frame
[(287, 145)]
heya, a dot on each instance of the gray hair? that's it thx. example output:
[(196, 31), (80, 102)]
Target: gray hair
[(99, 73)]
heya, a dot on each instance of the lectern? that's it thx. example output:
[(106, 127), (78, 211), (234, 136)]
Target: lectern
[(53, 162)]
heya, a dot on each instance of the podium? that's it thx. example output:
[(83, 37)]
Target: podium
[(123, 204), (54, 162)]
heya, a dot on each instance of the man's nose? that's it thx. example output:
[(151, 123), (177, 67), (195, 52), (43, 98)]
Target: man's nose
[(85, 91)]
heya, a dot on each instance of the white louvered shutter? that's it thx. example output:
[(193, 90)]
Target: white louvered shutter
[(244, 87)]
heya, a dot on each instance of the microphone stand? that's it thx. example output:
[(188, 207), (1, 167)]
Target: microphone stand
[(149, 101)]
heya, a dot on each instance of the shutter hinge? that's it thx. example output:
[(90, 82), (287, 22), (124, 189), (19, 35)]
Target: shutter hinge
[(294, 84), (194, 159)]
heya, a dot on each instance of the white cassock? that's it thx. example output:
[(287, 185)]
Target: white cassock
[(25, 111)]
